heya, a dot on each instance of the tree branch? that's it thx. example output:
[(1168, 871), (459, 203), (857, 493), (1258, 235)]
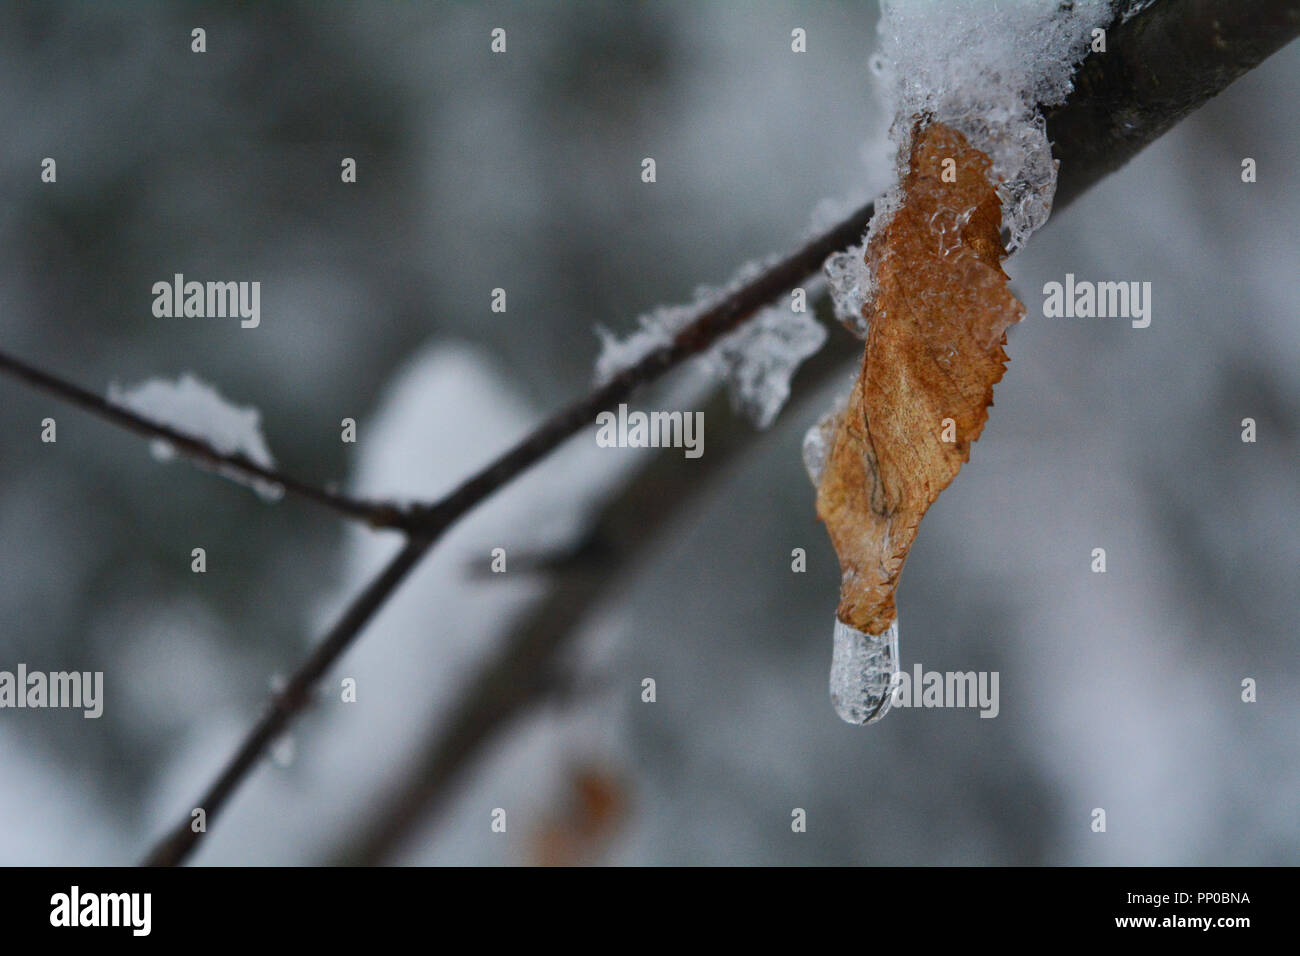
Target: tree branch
[(711, 324), (284, 706), (1159, 66), (522, 671), (427, 524), (376, 514)]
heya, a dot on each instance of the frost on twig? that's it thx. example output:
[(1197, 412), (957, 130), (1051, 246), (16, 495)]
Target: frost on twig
[(756, 361), (195, 408)]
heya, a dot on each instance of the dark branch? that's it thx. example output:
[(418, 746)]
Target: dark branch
[(377, 514), (1158, 67), (712, 324), (427, 524), (285, 705), (522, 671)]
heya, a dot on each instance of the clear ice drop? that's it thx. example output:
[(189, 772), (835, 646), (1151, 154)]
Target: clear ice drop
[(862, 672)]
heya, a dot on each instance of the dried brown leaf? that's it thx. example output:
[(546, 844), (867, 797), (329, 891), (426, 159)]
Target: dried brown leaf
[(934, 351)]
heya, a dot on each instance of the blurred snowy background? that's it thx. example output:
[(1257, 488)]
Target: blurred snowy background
[(522, 171)]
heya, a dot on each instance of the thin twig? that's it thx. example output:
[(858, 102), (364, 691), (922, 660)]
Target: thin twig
[(522, 671), (376, 514), (285, 705), (430, 522), (711, 324)]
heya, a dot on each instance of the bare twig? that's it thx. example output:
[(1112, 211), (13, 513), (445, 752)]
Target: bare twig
[(428, 523), (1159, 66), (713, 323), (376, 514), (285, 705), (522, 671)]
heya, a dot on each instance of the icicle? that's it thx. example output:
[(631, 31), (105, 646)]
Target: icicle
[(863, 668)]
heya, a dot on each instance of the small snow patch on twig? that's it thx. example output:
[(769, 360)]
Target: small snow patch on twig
[(195, 408), (756, 360)]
